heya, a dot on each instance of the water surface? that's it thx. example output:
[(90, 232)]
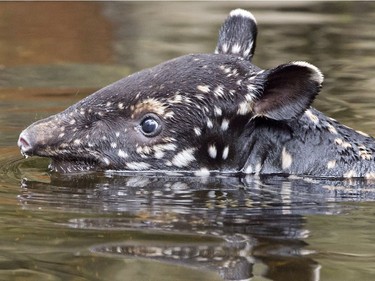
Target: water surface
[(139, 227)]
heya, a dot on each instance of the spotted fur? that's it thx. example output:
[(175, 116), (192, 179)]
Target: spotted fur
[(204, 113)]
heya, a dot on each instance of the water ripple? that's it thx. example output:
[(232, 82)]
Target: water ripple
[(14, 168)]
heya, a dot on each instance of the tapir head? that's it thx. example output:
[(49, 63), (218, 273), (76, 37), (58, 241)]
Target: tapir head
[(192, 113)]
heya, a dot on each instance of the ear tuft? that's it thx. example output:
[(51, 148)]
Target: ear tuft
[(288, 90)]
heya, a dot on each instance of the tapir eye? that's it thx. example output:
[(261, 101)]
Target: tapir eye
[(150, 125)]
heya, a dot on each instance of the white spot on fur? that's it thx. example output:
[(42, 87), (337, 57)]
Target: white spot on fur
[(143, 150), (249, 97), (236, 48), (184, 158), (227, 70), (251, 88), (332, 129), (138, 166), (64, 145), (243, 108), (234, 73), (113, 145), (212, 151), (251, 77), (187, 100), (218, 111), (346, 144), (286, 159), (338, 141), (204, 88), (249, 169), (167, 146), (370, 175), (219, 91), (168, 114), (349, 174), (139, 150), (204, 172), (331, 164), (364, 153), (224, 48), (224, 124), (159, 154), (61, 135), (77, 142), (159, 149), (197, 131), (72, 122), (225, 152), (117, 134), (121, 105), (122, 153), (177, 98), (106, 161), (247, 51), (258, 167), (209, 123), (312, 116)]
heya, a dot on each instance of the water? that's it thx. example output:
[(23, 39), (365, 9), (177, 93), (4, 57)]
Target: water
[(138, 227)]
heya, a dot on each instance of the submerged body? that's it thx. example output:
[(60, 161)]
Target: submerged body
[(206, 112)]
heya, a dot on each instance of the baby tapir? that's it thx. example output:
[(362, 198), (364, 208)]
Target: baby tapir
[(206, 113)]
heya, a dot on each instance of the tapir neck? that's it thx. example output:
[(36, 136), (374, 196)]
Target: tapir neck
[(312, 145)]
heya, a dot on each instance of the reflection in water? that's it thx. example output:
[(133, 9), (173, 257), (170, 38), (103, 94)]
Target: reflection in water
[(232, 260), (224, 224)]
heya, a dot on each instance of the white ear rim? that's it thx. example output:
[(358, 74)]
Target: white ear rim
[(242, 13), (317, 74)]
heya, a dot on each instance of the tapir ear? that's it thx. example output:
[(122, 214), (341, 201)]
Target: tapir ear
[(288, 90), (238, 35)]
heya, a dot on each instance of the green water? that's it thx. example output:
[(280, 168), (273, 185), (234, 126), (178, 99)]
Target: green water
[(134, 227)]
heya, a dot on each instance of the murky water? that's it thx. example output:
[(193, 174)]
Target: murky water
[(137, 227)]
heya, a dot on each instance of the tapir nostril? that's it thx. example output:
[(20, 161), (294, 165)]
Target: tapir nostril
[(24, 143)]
